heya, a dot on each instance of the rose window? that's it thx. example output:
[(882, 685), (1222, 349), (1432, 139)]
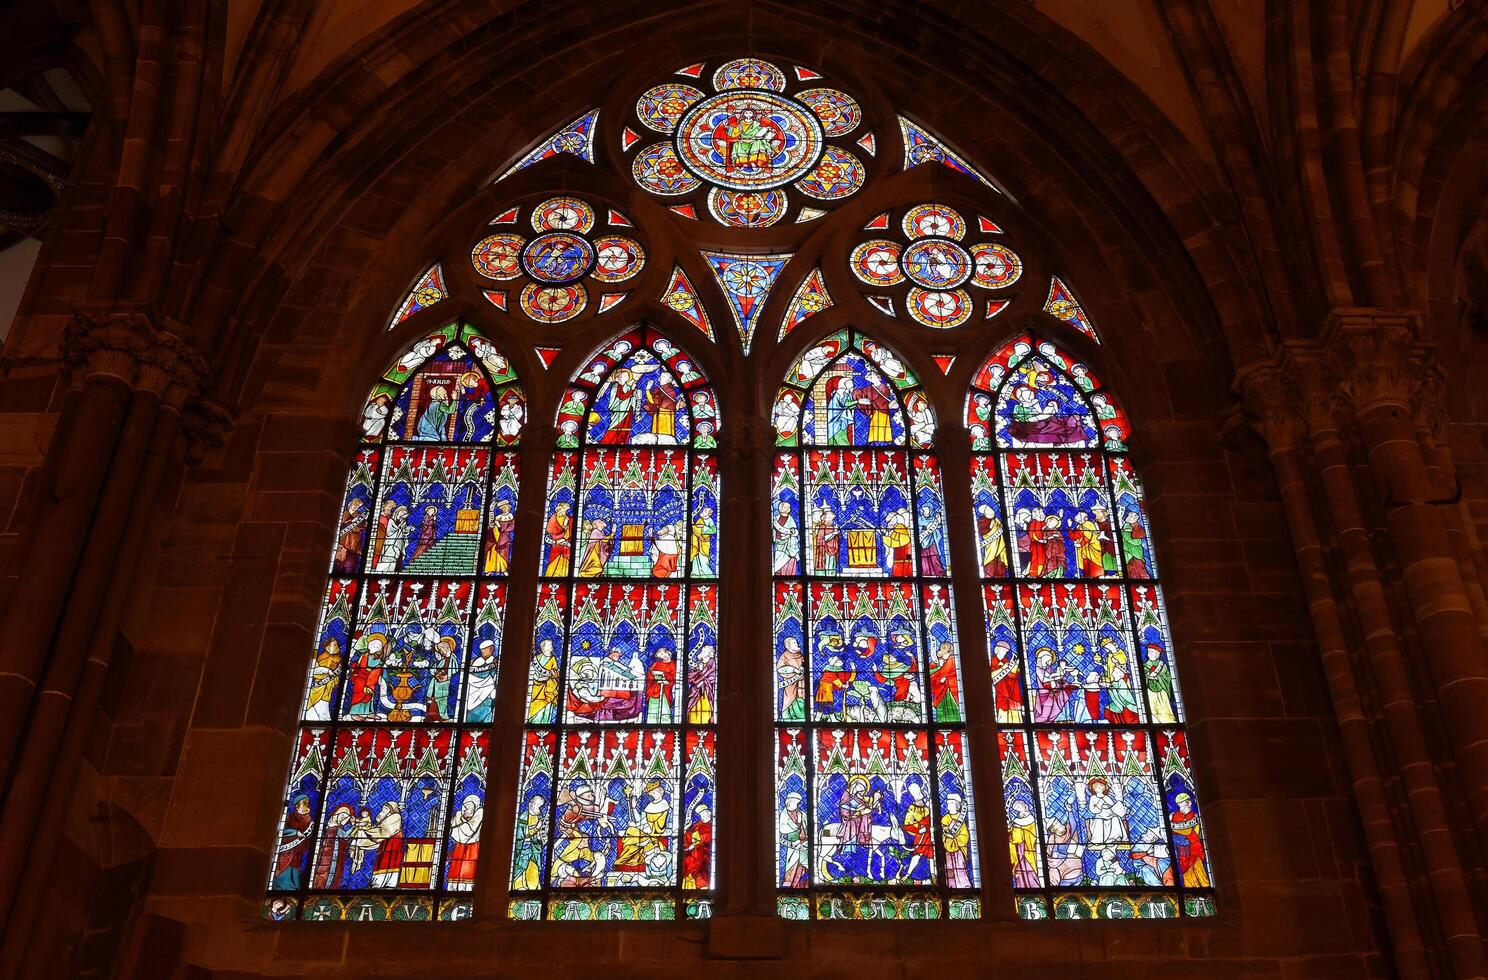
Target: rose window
[(553, 269), (934, 266), (748, 144)]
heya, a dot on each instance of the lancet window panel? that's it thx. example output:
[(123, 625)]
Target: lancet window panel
[(617, 789), (873, 796), (1102, 814), (385, 800)]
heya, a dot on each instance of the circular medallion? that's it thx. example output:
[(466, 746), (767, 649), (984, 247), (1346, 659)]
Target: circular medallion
[(749, 140), (498, 256), (749, 73), (747, 209), (839, 175), (557, 256), (657, 169), (661, 106), (616, 258), (681, 300), (747, 280), (995, 266), (838, 111), (941, 309), (553, 304), (563, 214), (937, 220), (876, 262), (936, 263)]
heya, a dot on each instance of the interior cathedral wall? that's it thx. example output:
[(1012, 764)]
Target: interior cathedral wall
[(162, 839)]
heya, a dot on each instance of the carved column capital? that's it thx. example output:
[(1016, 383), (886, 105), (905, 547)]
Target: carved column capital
[(1268, 393), (1374, 358), (205, 423), (137, 347)]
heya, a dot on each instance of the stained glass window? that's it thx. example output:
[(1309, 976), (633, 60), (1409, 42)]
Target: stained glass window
[(386, 796), (616, 800), (940, 271), (747, 142), (873, 798), (1102, 815), (571, 251)]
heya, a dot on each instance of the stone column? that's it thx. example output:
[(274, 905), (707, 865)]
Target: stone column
[(1270, 399), (504, 765), (953, 445), (745, 923), (1381, 369), (161, 373)]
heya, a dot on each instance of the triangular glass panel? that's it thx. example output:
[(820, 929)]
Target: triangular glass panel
[(922, 147), (618, 220), (681, 297), (691, 71), (576, 139), (496, 297), (686, 211), (996, 306), (988, 226), (885, 304), (746, 280), (610, 300), (869, 143), (547, 355), (425, 293), (878, 224), (944, 362), (629, 138), (1063, 305), (806, 74), (809, 214), (507, 217), (811, 297)]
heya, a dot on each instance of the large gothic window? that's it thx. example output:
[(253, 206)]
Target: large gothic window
[(386, 797), (1102, 816), (874, 811), (755, 190), (615, 805)]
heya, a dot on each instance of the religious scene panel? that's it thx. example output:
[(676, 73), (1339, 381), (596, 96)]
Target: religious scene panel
[(385, 792), (1101, 809), (874, 808), (616, 798), (1061, 516)]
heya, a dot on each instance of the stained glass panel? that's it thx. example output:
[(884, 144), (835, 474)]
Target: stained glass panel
[(617, 794), (874, 807), (1102, 813), (387, 788)]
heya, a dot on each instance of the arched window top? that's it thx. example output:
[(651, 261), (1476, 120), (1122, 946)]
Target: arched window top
[(850, 390), (451, 386), (1101, 809), (385, 800), (1030, 394), (639, 389)]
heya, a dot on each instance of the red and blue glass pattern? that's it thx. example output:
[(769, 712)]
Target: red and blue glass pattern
[(383, 810), (562, 263), (874, 807), (429, 289), (922, 146), (1062, 305), (617, 790), (746, 281), (747, 144), (1102, 815), (575, 139)]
